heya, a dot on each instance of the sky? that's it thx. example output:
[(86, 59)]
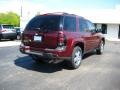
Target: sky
[(78, 3), (55, 5), (10, 5)]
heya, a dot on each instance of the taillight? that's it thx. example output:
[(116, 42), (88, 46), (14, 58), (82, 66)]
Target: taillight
[(3, 30), (25, 39), (61, 38)]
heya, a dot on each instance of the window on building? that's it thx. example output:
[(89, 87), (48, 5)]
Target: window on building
[(119, 32), (95, 25), (70, 23), (104, 28)]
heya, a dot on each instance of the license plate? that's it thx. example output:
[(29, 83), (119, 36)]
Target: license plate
[(38, 38)]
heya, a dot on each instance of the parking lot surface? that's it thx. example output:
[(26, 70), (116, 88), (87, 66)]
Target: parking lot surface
[(5, 43), (97, 72)]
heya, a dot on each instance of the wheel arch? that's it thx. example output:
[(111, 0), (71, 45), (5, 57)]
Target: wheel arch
[(81, 45)]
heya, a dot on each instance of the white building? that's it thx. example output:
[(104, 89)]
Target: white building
[(107, 19)]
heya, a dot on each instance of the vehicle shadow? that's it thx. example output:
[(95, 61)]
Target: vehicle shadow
[(89, 54), (27, 63)]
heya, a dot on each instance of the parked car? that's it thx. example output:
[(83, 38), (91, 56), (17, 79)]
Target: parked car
[(61, 36), (7, 32), (18, 32)]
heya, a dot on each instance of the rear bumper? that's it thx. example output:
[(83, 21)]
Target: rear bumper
[(8, 35), (48, 54)]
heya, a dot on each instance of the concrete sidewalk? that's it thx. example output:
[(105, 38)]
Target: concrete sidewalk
[(112, 39), (9, 43)]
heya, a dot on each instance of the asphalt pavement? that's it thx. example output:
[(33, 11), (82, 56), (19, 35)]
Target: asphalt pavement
[(97, 72)]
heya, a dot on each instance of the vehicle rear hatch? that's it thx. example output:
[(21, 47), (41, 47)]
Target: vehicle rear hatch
[(42, 31), (8, 29)]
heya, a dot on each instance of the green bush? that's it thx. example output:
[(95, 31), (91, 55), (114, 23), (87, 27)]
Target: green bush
[(10, 18)]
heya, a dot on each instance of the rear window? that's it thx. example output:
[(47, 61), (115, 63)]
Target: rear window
[(8, 26), (43, 23)]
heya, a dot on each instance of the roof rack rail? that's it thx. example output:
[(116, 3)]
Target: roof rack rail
[(58, 13)]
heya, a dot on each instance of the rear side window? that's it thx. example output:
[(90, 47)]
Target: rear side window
[(8, 26), (48, 22), (82, 25), (69, 23), (0, 27), (90, 25)]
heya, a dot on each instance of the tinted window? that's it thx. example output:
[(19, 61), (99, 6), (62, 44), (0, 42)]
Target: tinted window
[(90, 25), (82, 25), (8, 26), (70, 23), (50, 22), (0, 27)]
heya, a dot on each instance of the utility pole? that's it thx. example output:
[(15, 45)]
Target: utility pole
[(21, 8)]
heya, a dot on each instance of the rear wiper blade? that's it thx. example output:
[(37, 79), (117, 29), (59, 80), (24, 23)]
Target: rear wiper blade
[(42, 29), (37, 28)]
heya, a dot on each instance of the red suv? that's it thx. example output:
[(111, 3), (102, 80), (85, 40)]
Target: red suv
[(61, 36)]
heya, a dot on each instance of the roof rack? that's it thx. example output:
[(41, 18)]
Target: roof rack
[(57, 13), (61, 13)]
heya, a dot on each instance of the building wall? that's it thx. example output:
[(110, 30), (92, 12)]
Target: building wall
[(112, 31)]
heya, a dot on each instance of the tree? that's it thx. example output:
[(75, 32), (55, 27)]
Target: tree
[(10, 18)]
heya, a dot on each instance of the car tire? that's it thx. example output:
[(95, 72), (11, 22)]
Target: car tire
[(76, 58), (101, 48)]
